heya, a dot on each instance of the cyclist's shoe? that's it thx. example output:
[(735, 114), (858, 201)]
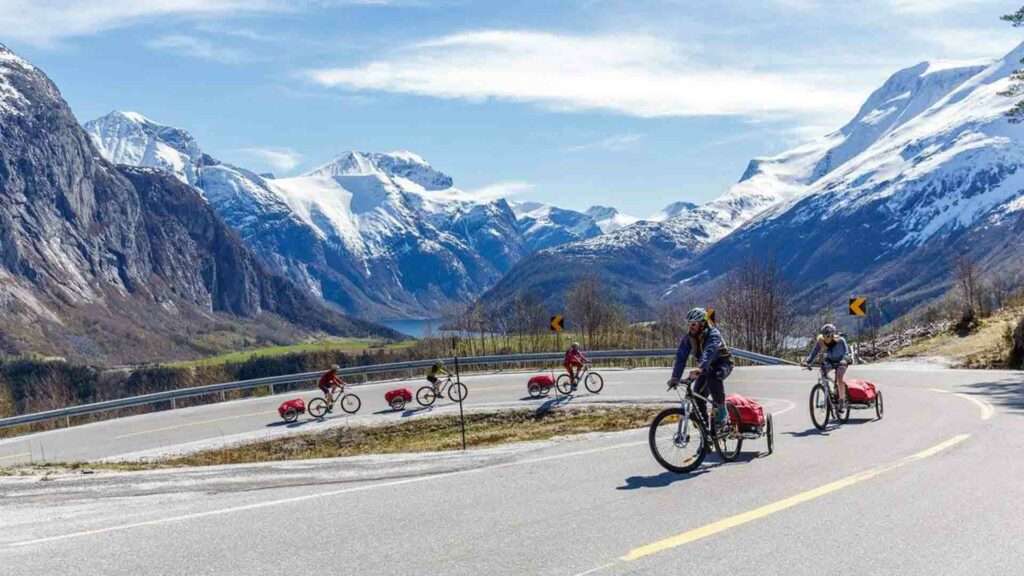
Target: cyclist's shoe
[(721, 417), (330, 409)]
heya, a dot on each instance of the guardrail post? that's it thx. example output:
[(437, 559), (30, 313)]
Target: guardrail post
[(271, 389), (174, 403), (67, 421)]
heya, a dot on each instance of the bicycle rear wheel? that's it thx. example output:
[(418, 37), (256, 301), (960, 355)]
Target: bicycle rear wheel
[(317, 407), (351, 403), (729, 441), (426, 396), (821, 407), (679, 446), (564, 384), (594, 383)]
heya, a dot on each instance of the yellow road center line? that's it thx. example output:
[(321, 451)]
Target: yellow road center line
[(189, 424), (786, 503)]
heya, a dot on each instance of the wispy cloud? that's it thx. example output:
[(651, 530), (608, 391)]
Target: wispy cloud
[(965, 42), (611, 143), (500, 190), (930, 6), (278, 159), (195, 47), (44, 22), (636, 75)]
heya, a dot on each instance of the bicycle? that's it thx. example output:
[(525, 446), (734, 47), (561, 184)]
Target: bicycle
[(427, 395), (319, 406), (593, 381), (679, 437), (824, 400)]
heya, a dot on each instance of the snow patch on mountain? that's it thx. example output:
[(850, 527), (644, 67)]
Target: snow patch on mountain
[(12, 101), (131, 138), (609, 219)]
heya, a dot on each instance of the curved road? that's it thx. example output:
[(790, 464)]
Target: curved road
[(934, 488)]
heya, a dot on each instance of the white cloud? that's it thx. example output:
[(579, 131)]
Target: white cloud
[(278, 159), (636, 75), (44, 22), (611, 143), (930, 6), (197, 48), (970, 42), (500, 190)]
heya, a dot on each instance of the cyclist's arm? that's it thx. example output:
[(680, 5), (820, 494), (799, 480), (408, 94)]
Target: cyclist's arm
[(712, 349), (682, 355), (814, 352)]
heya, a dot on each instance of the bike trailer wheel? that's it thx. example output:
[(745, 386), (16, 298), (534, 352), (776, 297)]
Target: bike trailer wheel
[(879, 407), (770, 433), (678, 446), (317, 407), (594, 383), (397, 403), (535, 391), (729, 442), (563, 384), (820, 407), (290, 415), (426, 396), (457, 392)]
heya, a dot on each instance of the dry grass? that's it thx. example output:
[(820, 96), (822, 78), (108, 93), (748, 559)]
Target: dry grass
[(431, 434), (984, 348)]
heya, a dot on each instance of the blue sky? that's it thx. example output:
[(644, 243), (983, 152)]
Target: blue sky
[(634, 104)]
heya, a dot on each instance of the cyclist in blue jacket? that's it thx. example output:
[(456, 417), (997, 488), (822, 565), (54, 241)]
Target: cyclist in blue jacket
[(714, 361), (835, 354)]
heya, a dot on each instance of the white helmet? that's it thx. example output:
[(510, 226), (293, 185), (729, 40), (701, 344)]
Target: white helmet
[(335, 367), (575, 345), (828, 330), (697, 315)]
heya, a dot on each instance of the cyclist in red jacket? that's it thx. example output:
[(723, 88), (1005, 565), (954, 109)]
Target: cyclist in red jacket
[(574, 361), (328, 382)]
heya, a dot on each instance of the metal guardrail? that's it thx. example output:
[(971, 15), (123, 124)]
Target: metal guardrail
[(272, 381)]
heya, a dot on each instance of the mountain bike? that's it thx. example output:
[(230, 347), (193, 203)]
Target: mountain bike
[(680, 437), (593, 381), (427, 395), (824, 400), (349, 402)]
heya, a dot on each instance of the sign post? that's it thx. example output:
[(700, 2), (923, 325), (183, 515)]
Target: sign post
[(859, 308), (557, 324), (458, 386)]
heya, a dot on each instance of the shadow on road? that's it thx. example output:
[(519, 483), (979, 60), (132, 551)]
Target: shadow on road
[(658, 481), (1007, 393), (812, 431), (553, 403)]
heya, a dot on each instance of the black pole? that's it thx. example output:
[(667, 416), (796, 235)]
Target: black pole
[(458, 384), (462, 417)]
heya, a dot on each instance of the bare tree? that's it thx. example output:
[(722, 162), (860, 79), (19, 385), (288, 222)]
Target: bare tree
[(590, 307), (754, 306), (968, 284)]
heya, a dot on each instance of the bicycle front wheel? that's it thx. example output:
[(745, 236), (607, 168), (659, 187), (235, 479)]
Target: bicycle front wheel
[(821, 408), (564, 384), (457, 392), (594, 383), (678, 445), (317, 407), (426, 396), (729, 441), (351, 403)]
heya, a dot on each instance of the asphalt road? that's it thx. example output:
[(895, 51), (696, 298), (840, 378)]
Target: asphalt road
[(934, 488)]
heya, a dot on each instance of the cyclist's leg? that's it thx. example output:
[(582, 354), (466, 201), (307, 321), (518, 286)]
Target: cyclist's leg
[(841, 381), (701, 387), (716, 385)]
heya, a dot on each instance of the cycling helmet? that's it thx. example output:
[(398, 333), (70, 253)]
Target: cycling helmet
[(697, 315), (575, 345), (335, 367), (828, 330)]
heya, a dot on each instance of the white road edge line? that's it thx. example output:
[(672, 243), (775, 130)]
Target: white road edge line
[(15, 456), (987, 411), (190, 424), (319, 495)]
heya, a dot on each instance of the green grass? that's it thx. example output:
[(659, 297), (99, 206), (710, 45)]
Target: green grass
[(430, 434), (351, 345)]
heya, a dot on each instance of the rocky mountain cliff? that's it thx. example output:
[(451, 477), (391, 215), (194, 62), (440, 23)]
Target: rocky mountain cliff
[(104, 262)]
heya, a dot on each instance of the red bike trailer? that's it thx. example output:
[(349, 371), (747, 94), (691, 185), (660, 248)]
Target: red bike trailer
[(398, 398), (289, 410)]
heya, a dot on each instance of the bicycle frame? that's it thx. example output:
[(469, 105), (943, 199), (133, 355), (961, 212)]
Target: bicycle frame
[(688, 404)]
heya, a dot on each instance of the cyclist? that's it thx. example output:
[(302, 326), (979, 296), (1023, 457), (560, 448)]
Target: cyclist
[(328, 382), (714, 362), (432, 375), (835, 355), (573, 362)]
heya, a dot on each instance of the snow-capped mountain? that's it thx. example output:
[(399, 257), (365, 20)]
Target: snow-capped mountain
[(941, 175), (545, 226), (673, 210), (920, 118), (379, 235), (103, 262), (609, 219)]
